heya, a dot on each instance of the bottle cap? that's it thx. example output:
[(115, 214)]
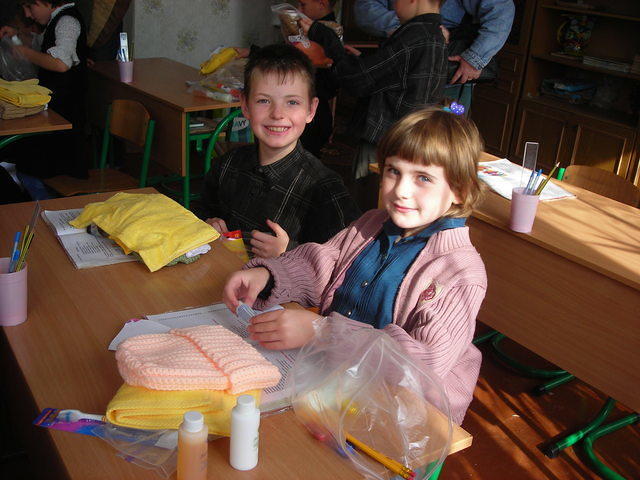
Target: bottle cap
[(193, 421), (245, 403)]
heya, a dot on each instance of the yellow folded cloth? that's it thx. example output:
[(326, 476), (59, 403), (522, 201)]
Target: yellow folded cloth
[(156, 227), (138, 407), (26, 93)]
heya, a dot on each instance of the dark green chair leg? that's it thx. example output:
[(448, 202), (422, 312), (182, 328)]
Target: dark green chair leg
[(216, 134), (484, 337), (553, 383), (146, 156), (520, 367), (587, 445), (106, 140), (554, 449)]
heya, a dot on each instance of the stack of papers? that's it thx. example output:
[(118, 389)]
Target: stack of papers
[(502, 176)]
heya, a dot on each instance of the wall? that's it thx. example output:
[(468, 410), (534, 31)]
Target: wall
[(188, 30)]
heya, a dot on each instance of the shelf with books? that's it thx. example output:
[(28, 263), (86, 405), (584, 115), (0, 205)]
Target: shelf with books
[(593, 13), (577, 63)]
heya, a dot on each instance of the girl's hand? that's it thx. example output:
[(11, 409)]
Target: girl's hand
[(218, 223), (305, 25), (244, 286), (283, 329), (265, 245)]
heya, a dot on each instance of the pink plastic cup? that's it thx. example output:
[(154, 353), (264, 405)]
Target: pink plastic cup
[(126, 71), (523, 210), (13, 295)]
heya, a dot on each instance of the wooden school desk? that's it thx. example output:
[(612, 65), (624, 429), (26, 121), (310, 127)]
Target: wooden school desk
[(569, 290), (43, 122), (59, 357), (159, 84)]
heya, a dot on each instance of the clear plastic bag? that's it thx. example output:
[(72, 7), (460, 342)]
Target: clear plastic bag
[(155, 450), (228, 79), (293, 34), (13, 66), (357, 381)]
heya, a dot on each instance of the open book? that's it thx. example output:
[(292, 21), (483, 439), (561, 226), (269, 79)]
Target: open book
[(502, 176), (84, 250), (273, 398)]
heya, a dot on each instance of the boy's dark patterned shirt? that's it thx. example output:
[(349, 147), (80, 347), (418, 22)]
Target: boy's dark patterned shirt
[(406, 73), (297, 192)]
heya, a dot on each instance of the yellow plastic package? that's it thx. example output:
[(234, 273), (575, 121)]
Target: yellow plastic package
[(218, 59)]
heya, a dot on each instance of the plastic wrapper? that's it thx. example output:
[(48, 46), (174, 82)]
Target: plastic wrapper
[(357, 381), (13, 66), (294, 35), (227, 82), (155, 450)]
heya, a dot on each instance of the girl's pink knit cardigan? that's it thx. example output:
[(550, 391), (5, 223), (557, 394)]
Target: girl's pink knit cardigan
[(435, 308)]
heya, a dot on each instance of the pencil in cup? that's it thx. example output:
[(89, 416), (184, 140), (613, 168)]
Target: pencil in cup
[(546, 180), (393, 465)]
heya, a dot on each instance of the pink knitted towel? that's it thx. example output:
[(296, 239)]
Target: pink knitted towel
[(207, 357)]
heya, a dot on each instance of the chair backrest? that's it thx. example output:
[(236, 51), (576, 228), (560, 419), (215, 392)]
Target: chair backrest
[(129, 120), (604, 183)]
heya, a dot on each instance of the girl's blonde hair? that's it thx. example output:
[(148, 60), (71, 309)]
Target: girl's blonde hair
[(432, 136)]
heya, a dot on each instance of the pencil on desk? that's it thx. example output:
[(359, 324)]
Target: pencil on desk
[(394, 466)]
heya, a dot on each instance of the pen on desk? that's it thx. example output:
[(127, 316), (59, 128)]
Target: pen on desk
[(546, 180), (560, 175), (14, 250), (393, 465)]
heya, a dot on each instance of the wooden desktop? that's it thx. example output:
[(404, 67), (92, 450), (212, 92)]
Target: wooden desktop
[(59, 358)]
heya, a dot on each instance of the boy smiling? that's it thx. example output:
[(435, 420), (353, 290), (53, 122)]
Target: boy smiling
[(275, 189)]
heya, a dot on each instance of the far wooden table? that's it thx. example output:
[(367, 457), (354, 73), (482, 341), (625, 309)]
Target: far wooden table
[(160, 85), (43, 122), (59, 358)]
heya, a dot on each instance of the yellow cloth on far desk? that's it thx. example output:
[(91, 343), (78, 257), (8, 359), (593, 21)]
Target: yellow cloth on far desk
[(139, 407), (26, 93), (156, 227)]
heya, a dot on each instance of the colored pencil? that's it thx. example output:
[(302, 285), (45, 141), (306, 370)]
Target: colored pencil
[(546, 180), (393, 465)]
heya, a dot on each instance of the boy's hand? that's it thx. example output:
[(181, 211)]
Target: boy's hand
[(244, 286), (242, 52), (352, 50), (266, 245), (283, 329), (6, 30), (445, 33), (305, 25), (218, 223), (465, 71)]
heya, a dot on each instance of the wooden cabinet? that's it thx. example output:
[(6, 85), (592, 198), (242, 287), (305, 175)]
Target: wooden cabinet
[(494, 105), (571, 138), (601, 131)]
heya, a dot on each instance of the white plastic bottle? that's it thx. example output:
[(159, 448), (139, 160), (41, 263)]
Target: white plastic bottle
[(192, 447), (245, 422)]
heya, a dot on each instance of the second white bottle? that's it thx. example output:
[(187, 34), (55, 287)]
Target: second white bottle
[(245, 424)]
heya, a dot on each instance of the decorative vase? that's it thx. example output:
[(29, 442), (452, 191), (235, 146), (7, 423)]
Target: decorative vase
[(574, 34)]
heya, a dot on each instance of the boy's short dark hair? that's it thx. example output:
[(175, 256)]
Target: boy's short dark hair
[(282, 59)]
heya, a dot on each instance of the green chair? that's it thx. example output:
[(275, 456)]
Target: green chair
[(129, 121)]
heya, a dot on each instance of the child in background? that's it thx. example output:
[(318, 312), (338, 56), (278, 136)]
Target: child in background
[(318, 132), (409, 269), (407, 72), (275, 185), (60, 52)]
